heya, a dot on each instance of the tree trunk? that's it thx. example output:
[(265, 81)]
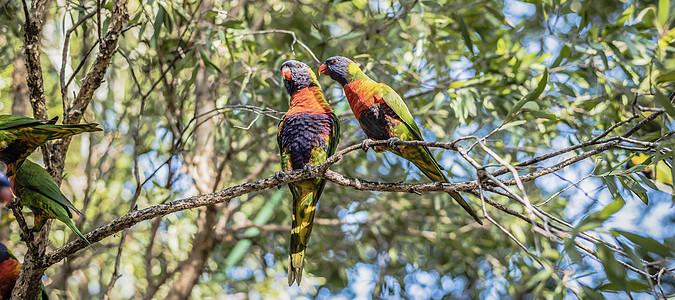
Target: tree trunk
[(20, 96), (202, 169)]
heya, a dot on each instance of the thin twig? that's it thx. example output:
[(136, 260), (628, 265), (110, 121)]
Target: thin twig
[(64, 59), (295, 39)]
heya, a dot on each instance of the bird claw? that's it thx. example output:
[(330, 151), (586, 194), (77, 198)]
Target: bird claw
[(365, 146), (391, 143), (279, 175), (307, 168)]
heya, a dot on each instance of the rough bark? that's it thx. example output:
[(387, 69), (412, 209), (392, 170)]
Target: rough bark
[(54, 154), (202, 169), (20, 104), (27, 285), (32, 52)]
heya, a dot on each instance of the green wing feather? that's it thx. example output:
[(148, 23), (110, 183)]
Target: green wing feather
[(398, 106), (11, 121), (32, 176), (285, 158), (423, 160), (20, 136), (334, 135), (40, 193)]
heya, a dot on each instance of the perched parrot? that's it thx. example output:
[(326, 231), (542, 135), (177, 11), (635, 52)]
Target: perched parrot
[(38, 190), (308, 134), (660, 172), (9, 272), (20, 136), (383, 115)]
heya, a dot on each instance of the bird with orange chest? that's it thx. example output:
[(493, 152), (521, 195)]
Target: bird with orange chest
[(9, 272), (308, 135), (383, 115)]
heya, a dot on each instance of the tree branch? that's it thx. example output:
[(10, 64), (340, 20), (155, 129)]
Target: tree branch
[(225, 195)]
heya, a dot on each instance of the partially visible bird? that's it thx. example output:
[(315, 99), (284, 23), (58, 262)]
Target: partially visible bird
[(308, 134), (6, 195), (39, 192), (383, 115), (9, 272), (20, 136), (659, 172)]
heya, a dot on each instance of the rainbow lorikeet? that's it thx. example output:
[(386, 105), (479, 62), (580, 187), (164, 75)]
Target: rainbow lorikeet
[(38, 190), (9, 272), (383, 115), (308, 134), (20, 136)]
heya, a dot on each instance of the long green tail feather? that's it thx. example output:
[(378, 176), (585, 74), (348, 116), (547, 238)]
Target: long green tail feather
[(428, 165), (64, 130), (72, 227), (304, 208), (24, 140)]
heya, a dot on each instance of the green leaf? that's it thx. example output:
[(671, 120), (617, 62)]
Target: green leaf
[(529, 97), (630, 184), (514, 123), (465, 34), (564, 53), (664, 8), (360, 4), (615, 272), (207, 61), (233, 24), (665, 77), (604, 59), (567, 90), (625, 16), (672, 171), (648, 182), (632, 285), (210, 14), (591, 293), (647, 243), (609, 182), (540, 277), (350, 35), (610, 209), (630, 252), (432, 4), (665, 103), (167, 19), (159, 20)]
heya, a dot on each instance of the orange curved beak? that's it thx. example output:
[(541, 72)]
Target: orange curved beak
[(286, 73), (323, 70)]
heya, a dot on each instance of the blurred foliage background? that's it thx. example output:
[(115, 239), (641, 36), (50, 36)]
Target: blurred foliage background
[(192, 102)]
